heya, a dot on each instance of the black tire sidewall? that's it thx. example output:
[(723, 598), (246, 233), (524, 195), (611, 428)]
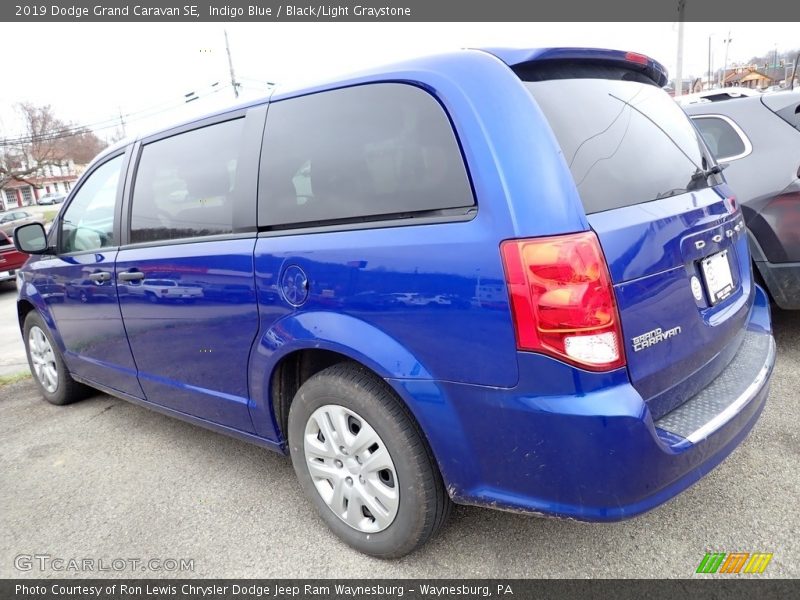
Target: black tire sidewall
[(407, 529)]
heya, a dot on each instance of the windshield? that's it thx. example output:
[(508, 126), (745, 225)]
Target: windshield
[(625, 142)]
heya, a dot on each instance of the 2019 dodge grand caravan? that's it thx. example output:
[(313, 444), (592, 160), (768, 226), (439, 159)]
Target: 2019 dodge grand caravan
[(596, 346)]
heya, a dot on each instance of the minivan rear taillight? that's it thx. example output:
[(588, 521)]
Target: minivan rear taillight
[(562, 300)]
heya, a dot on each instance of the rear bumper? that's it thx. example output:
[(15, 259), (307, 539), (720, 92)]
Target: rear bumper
[(584, 445), (8, 274)]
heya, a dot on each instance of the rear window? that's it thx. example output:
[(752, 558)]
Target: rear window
[(625, 142), (786, 105)]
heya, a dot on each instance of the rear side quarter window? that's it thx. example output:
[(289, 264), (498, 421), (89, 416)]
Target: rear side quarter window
[(723, 136), (362, 153)]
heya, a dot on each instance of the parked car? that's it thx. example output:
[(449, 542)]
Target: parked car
[(163, 290), (11, 259), (598, 345), (759, 139), (89, 290), (12, 219), (51, 199), (716, 95)]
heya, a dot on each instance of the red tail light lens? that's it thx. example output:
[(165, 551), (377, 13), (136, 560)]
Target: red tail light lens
[(563, 301)]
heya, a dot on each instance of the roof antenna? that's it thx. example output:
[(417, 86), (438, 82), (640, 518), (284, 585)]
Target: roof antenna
[(234, 83)]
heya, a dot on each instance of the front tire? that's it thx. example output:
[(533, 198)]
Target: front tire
[(362, 460), (47, 365)]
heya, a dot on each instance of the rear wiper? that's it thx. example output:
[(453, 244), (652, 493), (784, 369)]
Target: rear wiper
[(706, 173), (662, 130), (670, 193)]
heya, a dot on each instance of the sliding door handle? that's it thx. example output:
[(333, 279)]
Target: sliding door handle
[(130, 276), (100, 276)]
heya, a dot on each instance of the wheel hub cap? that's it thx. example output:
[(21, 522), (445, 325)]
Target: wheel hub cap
[(43, 359), (351, 468)]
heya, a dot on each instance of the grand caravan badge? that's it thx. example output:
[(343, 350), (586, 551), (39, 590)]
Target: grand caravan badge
[(651, 338)]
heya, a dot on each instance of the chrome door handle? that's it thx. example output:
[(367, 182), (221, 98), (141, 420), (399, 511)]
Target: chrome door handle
[(130, 276), (100, 277)]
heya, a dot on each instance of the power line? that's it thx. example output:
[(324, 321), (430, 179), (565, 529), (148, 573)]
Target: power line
[(98, 124), (101, 125)]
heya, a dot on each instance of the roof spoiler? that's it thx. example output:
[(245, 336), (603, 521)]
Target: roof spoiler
[(515, 57)]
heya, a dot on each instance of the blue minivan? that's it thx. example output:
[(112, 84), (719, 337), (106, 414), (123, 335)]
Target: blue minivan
[(507, 278)]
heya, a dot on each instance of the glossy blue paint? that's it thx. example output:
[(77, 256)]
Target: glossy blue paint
[(405, 283), (574, 444), (425, 306), (191, 323), (652, 253), (86, 316)]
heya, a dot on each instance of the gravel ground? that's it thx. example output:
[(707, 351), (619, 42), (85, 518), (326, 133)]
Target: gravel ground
[(105, 479)]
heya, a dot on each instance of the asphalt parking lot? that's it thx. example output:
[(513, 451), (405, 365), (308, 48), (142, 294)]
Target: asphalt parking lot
[(104, 479)]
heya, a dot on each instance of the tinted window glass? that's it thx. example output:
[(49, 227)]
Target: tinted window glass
[(184, 184), (88, 223), (785, 105), (385, 149), (625, 142), (720, 137)]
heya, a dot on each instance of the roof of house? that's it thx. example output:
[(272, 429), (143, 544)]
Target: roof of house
[(742, 75)]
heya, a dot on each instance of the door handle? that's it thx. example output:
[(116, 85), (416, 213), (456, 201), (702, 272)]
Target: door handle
[(130, 276), (100, 277)]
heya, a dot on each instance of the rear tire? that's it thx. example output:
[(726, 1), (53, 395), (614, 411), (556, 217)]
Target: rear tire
[(365, 451), (47, 366)]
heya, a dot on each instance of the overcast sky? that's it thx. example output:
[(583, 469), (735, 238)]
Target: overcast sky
[(89, 72)]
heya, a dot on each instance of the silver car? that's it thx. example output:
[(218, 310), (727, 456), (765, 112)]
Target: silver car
[(12, 219)]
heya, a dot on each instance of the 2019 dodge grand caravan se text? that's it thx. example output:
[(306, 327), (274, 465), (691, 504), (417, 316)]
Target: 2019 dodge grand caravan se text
[(598, 343)]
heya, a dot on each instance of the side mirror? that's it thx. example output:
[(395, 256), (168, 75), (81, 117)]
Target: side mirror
[(31, 239)]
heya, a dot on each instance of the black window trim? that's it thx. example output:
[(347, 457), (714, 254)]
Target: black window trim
[(748, 146), (244, 217), (126, 154), (400, 219), (378, 222)]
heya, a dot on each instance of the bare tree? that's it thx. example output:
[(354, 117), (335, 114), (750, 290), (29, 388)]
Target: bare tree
[(82, 146), (46, 141)]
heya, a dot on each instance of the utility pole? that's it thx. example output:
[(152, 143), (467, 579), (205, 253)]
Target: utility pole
[(122, 123), (230, 66), (727, 41), (709, 63), (679, 69)]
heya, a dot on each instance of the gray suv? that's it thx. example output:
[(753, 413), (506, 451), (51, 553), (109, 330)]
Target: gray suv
[(759, 138)]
